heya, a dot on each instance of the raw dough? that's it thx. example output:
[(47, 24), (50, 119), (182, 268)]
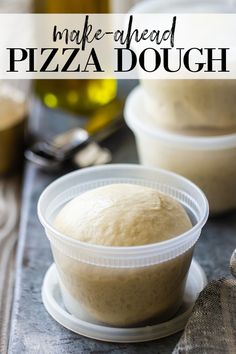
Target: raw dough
[(12, 107), (122, 215), (188, 104)]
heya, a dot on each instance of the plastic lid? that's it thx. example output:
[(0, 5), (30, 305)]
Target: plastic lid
[(53, 303), (135, 113), (184, 6)]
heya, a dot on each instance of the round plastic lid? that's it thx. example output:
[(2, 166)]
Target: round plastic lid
[(53, 303), (183, 6)]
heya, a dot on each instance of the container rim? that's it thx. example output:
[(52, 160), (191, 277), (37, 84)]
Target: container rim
[(145, 7), (134, 112), (122, 251)]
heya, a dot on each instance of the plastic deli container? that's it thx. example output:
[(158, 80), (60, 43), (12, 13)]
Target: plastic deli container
[(122, 286), (209, 161), (190, 103)]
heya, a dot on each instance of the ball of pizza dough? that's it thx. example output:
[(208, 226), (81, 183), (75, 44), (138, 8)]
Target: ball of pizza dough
[(122, 215)]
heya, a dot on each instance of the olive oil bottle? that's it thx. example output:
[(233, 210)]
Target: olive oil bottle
[(78, 96)]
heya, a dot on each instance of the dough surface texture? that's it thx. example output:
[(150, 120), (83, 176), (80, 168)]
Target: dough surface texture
[(122, 215)]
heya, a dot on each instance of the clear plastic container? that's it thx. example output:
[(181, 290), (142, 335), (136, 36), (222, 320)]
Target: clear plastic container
[(209, 161), (86, 326), (184, 104), (122, 286)]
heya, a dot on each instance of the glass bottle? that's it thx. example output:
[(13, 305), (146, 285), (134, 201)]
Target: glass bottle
[(78, 96)]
